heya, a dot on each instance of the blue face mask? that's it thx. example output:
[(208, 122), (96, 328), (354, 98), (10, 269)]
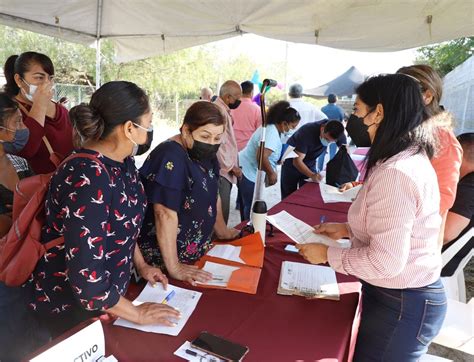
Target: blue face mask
[(19, 141), (324, 141)]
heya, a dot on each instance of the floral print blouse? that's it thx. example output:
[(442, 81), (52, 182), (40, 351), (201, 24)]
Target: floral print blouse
[(189, 187), (100, 216)]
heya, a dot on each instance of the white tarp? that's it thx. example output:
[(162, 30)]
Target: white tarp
[(143, 28), (458, 95)]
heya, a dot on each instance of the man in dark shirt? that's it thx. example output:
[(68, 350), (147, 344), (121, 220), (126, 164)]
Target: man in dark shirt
[(309, 142), (460, 216)]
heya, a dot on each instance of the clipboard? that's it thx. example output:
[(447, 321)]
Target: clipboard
[(309, 293), (245, 279)]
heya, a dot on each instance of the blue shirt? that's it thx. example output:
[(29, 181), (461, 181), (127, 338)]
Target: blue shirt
[(333, 111), (189, 187), (248, 156)]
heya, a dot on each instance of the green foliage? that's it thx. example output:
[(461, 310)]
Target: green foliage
[(445, 57)]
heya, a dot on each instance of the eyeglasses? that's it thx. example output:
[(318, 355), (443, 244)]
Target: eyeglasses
[(149, 129)]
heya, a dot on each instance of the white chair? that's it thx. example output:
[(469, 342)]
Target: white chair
[(457, 331), (455, 285)]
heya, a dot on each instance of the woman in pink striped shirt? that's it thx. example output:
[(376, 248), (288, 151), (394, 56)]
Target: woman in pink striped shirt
[(393, 225)]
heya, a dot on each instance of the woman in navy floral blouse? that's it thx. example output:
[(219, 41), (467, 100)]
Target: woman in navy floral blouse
[(99, 208), (180, 178)]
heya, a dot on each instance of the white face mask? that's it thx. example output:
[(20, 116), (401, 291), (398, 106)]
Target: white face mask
[(32, 90), (134, 148)]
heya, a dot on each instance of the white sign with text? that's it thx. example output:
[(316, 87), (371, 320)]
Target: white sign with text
[(87, 345)]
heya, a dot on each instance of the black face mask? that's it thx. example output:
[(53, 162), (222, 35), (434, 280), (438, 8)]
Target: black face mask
[(146, 146), (203, 151), (358, 131), (235, 104)]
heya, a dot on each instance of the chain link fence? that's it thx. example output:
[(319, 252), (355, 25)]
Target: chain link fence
[(75, 94)]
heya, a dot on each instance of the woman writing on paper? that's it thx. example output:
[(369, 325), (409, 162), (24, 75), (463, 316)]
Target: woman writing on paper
[(98, 206), (393, 225), (281, 120), (181, 181), (29, 79)]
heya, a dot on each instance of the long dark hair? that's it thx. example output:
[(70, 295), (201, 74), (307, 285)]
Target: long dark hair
[(19, 65), (282, 112), (7, 108), (404, 113), (111, 105)]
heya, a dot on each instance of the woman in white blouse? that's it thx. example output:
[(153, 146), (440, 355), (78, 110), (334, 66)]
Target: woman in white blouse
[(393, 225)]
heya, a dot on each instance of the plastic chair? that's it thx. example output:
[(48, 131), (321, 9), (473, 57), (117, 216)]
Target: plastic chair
[(455, 285)]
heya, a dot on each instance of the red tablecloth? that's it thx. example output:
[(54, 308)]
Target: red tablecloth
[(309, 195), (274, 327)]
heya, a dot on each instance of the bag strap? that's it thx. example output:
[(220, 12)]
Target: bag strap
[(53, 243), (45, 140)]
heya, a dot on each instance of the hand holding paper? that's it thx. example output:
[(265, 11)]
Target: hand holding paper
[(300, 232)]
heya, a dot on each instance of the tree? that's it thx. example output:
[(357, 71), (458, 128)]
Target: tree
[(445, 57)]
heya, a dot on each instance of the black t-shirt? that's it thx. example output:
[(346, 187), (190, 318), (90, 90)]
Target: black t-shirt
[(464, 206)]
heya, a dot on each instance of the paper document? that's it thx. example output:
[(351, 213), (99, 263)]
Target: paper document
[(228, 252), (331, 194), (183, 299), (288, 153), (300, 232), (308, 280), (220, 273)]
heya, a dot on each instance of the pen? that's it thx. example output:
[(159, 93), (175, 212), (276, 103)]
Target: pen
[(192, 353), (322, 219), (217, 278), (337, 185), (168, 297)]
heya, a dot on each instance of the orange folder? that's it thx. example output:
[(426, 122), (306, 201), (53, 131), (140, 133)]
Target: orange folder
[(246, 278)]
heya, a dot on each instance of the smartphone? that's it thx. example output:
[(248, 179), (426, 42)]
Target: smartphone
[(220, 347)]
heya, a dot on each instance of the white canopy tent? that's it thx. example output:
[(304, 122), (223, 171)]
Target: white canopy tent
[(144, 28)]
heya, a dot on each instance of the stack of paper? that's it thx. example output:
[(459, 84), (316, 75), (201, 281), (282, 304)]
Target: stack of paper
[(289, 153), (228, 252), (331, 194), (236, 265), (183, 299), (220, 273), (311, 281), (300, 232)]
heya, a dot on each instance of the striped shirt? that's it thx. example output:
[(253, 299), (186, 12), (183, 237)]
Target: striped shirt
[(394, 225)]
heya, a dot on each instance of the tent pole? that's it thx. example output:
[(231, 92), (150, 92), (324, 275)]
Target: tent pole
[(97, 64), (98, 57)]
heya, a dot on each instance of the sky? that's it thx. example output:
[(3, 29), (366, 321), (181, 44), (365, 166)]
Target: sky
[(313, 65)]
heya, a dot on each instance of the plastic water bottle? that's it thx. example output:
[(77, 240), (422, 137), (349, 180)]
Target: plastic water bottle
[(259, 218)]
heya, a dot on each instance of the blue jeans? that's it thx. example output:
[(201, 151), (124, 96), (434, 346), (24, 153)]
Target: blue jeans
[(399, 324), (332, 151), (246, 188)]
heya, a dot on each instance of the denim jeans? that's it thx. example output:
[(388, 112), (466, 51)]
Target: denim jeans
[(246, 188), (399, 324)]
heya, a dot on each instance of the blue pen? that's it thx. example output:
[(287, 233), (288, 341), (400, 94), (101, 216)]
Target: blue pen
[(322, 219), (337, 185), (168, 297)]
